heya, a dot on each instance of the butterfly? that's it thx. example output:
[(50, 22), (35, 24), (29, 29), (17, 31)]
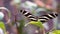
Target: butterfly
[(43, 18)]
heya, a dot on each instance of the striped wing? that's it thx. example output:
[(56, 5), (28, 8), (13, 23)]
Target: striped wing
[(43, 18)]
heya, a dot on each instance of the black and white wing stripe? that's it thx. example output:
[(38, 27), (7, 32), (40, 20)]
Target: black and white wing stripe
[(28, 15), (47, 17)]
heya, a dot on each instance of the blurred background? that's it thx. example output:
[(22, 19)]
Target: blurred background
[(17, 20)]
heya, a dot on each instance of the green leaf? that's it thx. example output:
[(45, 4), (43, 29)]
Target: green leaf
[(2, 26), (20, 28), (56, 31), (37, 23)]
